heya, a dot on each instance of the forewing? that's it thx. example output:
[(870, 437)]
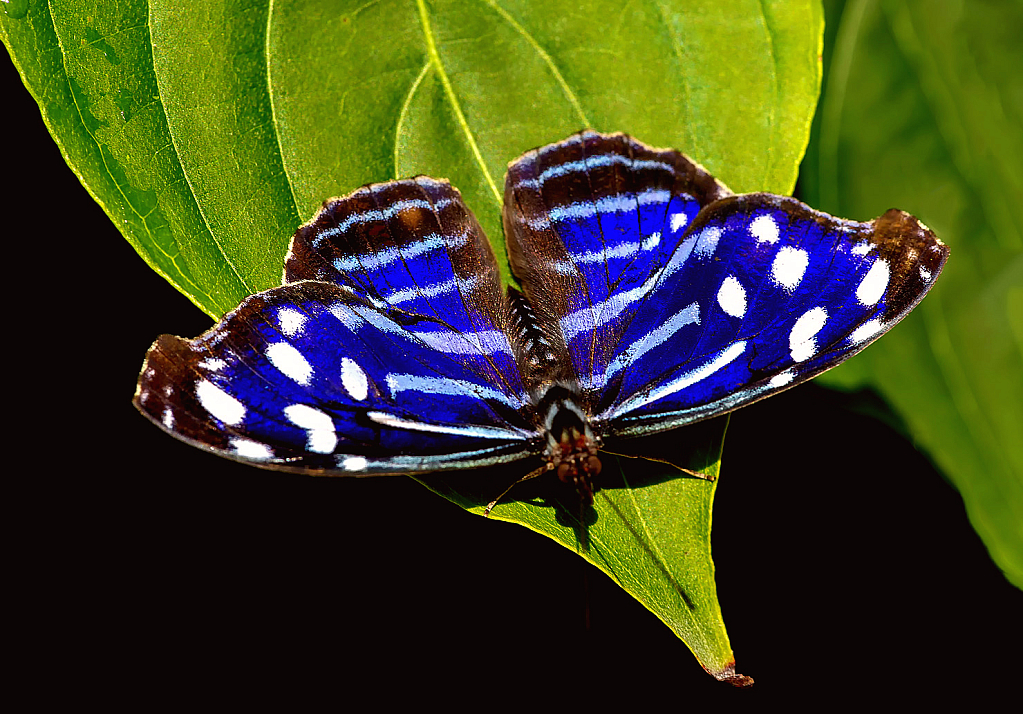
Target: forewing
[(761, 294), (589, 222), (415, 251), (310, 377)]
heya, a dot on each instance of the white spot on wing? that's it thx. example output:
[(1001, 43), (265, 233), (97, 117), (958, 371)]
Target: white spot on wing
[(802, 344), (290, 362), (780, 380), (617, 203), (862, 248), (484, 432), (219, 403), (732, 297), (354, 379), (764, 229), (291, 320), (214, 364), (251, 449), (925, 274), (678, 221), (386, 256), (874, 283), (865, 331), (354, 463), (789, 267), (721, 360), (397, 383), (593, 316), (687, 316), (168, 418), (707, 241), (320, 434), (485, 342)]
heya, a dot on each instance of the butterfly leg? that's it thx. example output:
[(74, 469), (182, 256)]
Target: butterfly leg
[(687, 472), (696, 474), (531, 475)]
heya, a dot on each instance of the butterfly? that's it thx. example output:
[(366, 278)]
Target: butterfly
[(651, 297)]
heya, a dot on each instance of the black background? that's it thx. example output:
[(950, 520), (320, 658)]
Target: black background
[(846, 567)]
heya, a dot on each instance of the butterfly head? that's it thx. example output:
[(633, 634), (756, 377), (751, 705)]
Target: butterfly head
[(571, 444)]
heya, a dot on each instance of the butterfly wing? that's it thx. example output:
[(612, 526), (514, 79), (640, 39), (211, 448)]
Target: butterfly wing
[(678, 301), (589, 222), (415, 251), (761, 294), (386, 352)]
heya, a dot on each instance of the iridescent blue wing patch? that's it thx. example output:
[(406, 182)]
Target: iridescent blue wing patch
[(761, 294), (413, 250), (386, 352)]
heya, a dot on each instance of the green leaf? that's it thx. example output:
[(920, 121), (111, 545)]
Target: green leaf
[(922, 110), (93, 72), (648, 530), (208, 131), (458, 91)]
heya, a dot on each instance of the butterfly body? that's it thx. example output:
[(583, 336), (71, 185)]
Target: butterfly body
[(651, 298)]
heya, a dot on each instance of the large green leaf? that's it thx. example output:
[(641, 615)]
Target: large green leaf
[(923, 109), (208, 131)]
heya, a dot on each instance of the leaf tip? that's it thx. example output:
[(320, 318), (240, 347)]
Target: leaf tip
[(729, 675)]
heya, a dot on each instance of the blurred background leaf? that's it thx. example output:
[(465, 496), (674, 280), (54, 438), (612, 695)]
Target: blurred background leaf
[(922, 109)]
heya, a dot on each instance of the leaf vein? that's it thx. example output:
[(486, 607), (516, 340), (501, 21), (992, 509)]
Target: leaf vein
[(404, 110), (772, 123), (431, 48), (547, 59), (106, 167), (676, 48), (273, 107)]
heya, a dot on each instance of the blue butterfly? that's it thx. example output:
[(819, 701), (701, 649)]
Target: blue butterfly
[(652, 297)]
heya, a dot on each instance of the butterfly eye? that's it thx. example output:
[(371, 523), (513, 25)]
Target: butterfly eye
[(565, 472)]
